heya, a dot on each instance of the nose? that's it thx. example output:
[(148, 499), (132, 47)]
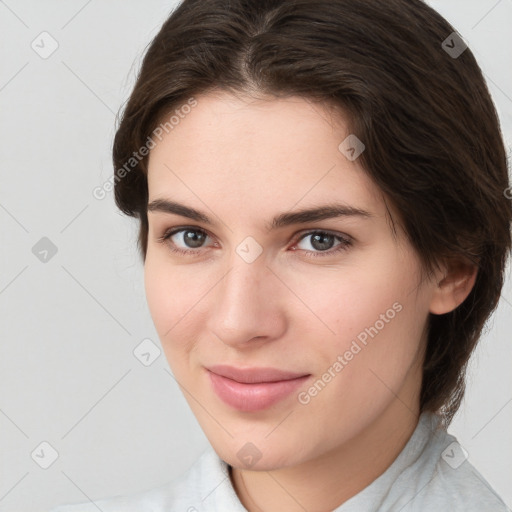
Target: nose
[(247, 305)]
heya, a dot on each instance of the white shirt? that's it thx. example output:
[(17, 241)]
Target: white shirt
[(430, 474)]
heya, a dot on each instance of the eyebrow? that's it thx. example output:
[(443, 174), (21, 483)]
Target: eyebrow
[(327, 211)]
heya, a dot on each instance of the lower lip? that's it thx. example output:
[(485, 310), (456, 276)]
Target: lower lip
[(253, 397)]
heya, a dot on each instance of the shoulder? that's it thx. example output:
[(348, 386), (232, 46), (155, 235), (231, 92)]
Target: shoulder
[(461, 488), (443, 478), (186, 493)]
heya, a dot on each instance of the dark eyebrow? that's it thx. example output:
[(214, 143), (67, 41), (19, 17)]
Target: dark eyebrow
[(327, 211)]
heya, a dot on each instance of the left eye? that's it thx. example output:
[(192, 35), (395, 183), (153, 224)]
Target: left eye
[(323, 241), (193, 238)]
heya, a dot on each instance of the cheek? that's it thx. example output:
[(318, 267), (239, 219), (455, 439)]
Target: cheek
[(159, 295), (174, 295), (169, 295), (348, 301), (379, 346), (375, 315)]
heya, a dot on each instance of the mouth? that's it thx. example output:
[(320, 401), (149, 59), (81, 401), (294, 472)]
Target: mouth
[(253, 389)]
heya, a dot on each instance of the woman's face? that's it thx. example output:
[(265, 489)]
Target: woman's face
[(334, 302)]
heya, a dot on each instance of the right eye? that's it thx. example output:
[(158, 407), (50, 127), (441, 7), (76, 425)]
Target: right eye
[(188, 237)]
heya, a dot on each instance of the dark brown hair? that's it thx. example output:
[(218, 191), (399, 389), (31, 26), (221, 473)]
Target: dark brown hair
[(432, 138)]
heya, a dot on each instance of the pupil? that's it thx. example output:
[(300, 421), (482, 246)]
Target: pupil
[(322, 245), (194, 238)]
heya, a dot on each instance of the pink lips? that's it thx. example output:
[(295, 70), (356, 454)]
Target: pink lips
[(253, 389)]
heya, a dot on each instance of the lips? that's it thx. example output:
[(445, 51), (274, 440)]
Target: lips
[(253, 389), (254, 375)]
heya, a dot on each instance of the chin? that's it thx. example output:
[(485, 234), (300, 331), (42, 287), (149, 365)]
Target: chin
[(259, 456)]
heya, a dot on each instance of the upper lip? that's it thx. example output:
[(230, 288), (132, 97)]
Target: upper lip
[(255, 374)]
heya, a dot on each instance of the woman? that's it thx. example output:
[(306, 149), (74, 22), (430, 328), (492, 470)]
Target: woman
[(324, 230)]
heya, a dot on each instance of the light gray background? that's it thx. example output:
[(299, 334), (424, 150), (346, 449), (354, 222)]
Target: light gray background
[(69, 326)]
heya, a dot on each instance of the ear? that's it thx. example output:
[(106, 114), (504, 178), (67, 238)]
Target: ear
[(455, 281)]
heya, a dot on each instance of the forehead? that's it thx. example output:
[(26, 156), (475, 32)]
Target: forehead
[(250, 152)]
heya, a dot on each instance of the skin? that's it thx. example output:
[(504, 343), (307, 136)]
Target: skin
[(242, 161)]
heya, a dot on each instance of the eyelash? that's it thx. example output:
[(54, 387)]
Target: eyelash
[(344, 244)]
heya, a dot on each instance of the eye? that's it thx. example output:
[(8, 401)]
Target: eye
[(322, 243), (191, 239)]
